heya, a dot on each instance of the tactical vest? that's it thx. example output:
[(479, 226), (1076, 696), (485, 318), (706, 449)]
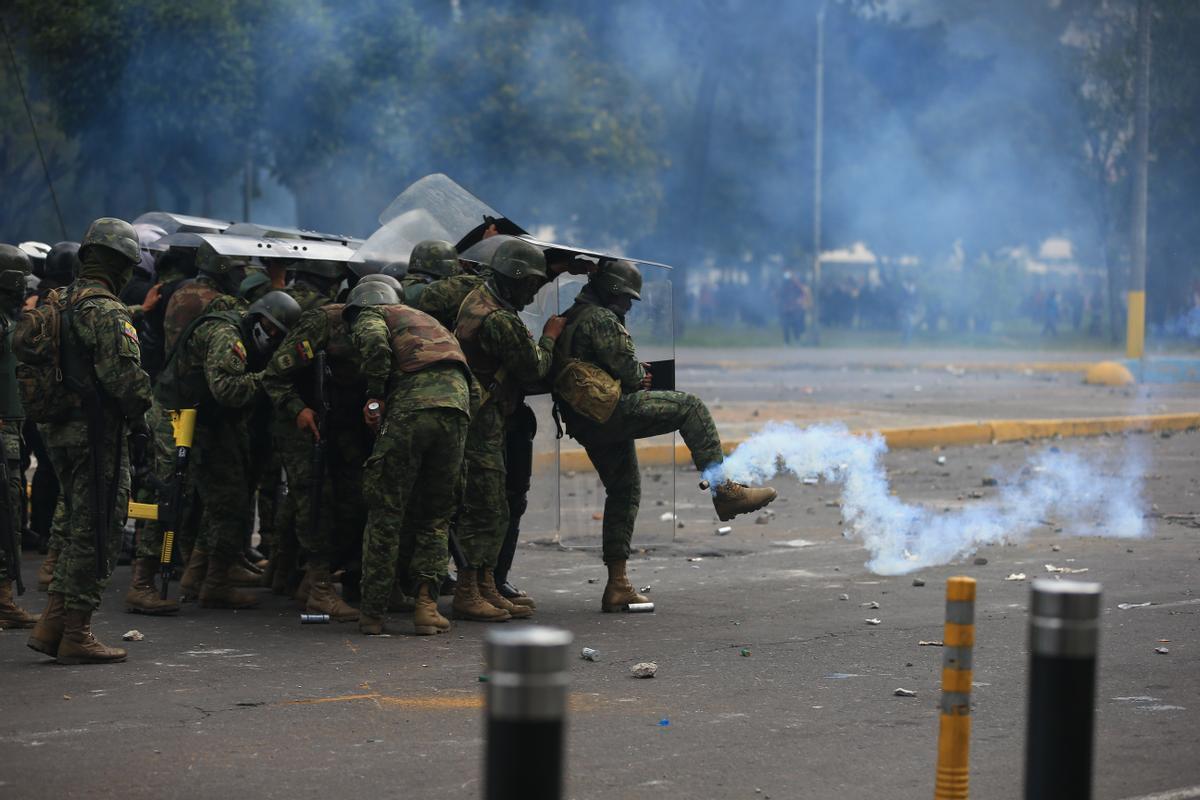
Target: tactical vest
[(419, 340), (447, 312), (340, 352), (179, 387), (488, 370), (187, 303), (10, 397)]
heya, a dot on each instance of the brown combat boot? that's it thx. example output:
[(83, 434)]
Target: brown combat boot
[(242, 576), (513, 594), (79, 646), (324, 599), (48, 631), (468, 604), (217, 592), (487, 590), (143, 597), (732, 499), (11, 614), (427, 620), (619, 592), (46, 570), (369, 625), (300, 598), (193, 575)]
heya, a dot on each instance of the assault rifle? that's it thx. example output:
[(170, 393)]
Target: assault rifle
[(10, 543)]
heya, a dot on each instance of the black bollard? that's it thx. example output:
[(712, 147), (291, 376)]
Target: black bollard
[(526, 713), (1063, 644)]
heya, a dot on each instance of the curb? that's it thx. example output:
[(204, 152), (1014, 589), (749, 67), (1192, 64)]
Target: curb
[(924, 437)]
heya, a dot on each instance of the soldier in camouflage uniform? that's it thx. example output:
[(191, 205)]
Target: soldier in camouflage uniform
[(102, 338), (418, 381), (14, 266), (504, 358), (289, 381), (431, 260), (595, 334)]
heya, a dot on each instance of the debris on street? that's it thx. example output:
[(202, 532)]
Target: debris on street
[(133, 636), (870, 604), (644, 669), (980, 561), (1064, 570), (873, 621), (904, 693), (590, 654), (1127, 606), (990, 482), (1015, 576), (933, 643), (918, 582), (843, 596), (1162, 651), (724, 530), (745, 652)]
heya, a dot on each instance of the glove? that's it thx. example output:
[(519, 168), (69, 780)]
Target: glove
[(139, 442)]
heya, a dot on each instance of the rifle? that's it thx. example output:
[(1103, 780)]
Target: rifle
[(183, 423), (12, 553), (317, 462), (102, 497)]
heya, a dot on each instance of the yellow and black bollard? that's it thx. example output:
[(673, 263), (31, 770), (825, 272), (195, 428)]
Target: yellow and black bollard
[(954, 731)]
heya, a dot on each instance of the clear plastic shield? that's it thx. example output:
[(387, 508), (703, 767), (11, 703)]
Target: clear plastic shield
[(580, 492)]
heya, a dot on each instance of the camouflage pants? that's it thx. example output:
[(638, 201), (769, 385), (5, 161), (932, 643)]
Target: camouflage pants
[(10, 438), (149, 540), (342, 514), (483, 520), (75, 574), (58, 522), (221, 472), (412, 484), (612, 451)]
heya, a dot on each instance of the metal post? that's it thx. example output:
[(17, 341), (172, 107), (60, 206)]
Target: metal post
[(1063, 642), (954, 731), (526, 707), (818, 144), (1135, 330)]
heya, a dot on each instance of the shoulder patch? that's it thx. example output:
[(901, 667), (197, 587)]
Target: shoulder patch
[(129, 330), (304, 351), (622, 329), (286, 361), (239, 349)]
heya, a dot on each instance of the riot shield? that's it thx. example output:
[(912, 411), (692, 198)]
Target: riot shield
[(182, 223)]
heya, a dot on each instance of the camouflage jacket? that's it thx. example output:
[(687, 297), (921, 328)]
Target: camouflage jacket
[(10, 398), (105, 332), (217, 351), (500, 349), (288, 377), (307, 296), (597, 335), (441, 299), (440, 385)]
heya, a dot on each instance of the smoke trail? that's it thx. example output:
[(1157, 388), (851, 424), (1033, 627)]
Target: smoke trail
[(903, 537)]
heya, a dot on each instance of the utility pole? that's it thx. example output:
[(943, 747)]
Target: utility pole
[(1135, 331), (818, 137)]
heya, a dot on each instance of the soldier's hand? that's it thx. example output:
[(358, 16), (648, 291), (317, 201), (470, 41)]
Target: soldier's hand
[(373, 414), (139, 442), (554, 326), (151, 299), (647, 379), (306, 420)]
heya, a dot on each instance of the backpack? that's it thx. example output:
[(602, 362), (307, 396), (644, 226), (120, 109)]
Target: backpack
[(175, 391), (54, 377), (585, 387)]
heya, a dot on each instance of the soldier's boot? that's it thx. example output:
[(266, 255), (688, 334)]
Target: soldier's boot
[(268, 577), (11, 614), (300, 598), (48, 631), (399, 602), (514, 595), (427, 620), (487, 590), (732, 499), (218, 592), (46, 570), (619, 592), (193, 575), (143, 597), (468, 604), (242, 576), (324, 599), (369, 625), (80, 646)]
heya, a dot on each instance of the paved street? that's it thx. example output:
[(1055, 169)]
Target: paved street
[(251, 704)]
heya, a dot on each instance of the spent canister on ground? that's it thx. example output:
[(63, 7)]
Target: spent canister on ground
[(526, 707), (1063, 644)]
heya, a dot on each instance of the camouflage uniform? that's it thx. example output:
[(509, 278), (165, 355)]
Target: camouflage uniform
[(162, 455), (442, 299), (11, 415), (420, 444), (107, 337), (503, 357), (597, 335), (288, 381), (216, 355)]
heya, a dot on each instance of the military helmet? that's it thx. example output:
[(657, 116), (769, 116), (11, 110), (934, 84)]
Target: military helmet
[(280, 308), (37, 252), (318, 267), (14, 258), (379, 277), (210, 262), (252, 283), (617, 277), (62, 263), (372, 293), (434, 257), (396, 269), (116, 235), (518, 259)]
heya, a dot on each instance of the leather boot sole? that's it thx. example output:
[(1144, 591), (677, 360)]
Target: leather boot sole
[(43, 647)]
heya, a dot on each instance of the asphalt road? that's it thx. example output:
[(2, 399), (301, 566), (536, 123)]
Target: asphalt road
[(251, 704)]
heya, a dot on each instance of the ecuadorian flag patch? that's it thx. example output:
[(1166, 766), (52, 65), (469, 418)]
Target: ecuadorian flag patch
[(129, 330), (305, 351), (239, 349)]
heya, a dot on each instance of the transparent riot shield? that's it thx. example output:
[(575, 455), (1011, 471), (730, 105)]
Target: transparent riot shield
[(580, 492)]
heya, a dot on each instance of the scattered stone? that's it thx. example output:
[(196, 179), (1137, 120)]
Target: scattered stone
[(904, 693), (1015, 576), (679, 524), (761, 519), (918, 582), (593, 580), (589, 654), (133, 636), (1064, 570), (810, 480), (644, 669), (666, 516), (697, 558), (1055, 548), (933, 643), (843, 597), (598, 516), (980, 561), (1162, 651), (644, 589), (976, 494), (1127, 606), (873, 621), (990, 482), (941, 460), (870, 604)]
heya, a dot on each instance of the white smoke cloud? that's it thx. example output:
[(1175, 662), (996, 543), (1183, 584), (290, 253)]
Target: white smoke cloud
[(902, 537)]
